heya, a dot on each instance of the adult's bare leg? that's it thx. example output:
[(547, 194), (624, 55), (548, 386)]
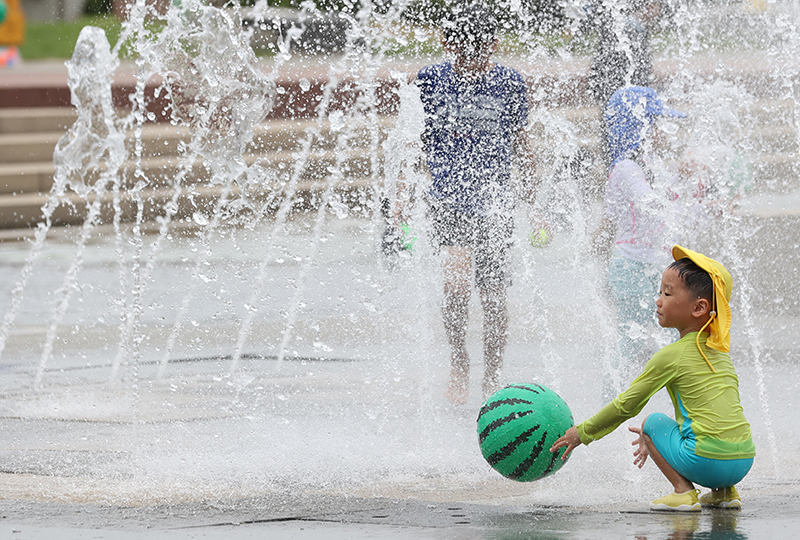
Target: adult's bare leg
[(457, 267), (494, 301)]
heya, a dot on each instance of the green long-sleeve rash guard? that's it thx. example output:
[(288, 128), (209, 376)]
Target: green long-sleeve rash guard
[(707, 406)]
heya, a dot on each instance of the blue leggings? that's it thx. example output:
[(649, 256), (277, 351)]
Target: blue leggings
[(678, 451)]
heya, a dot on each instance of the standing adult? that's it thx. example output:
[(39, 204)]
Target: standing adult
[(476, 114), (622, 57)]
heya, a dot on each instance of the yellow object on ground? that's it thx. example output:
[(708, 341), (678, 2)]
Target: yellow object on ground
[(12, 29), (539, 238)]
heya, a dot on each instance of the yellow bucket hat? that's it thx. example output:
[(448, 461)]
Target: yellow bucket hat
[(719, 324)]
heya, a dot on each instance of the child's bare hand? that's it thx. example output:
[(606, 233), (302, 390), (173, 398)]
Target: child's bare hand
[(641, 453), (570, 439)]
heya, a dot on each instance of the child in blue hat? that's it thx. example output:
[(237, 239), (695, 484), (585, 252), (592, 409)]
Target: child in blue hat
[(637, 221)]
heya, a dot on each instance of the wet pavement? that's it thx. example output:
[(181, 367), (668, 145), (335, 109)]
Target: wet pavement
[(293, 517), (349, 436)]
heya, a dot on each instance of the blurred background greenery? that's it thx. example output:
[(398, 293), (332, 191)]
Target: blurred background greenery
[(539, 18)]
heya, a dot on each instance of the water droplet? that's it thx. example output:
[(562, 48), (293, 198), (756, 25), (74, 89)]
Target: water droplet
[(200, 218)]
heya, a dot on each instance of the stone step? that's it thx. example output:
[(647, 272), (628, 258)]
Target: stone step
[(23, 211), (21, 178), (165, 139), (36, 119), (28, 137), (776, 173), (774, 143), (29, 147), (775, 138), (769, 112)]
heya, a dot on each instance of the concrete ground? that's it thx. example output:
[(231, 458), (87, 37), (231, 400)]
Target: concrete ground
[(356, 443), (300, 517)]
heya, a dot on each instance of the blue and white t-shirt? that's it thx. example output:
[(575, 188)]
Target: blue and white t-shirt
[(470, 128), (639, 212), (650, 219)]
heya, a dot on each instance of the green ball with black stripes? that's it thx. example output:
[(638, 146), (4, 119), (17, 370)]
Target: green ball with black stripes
[(517, 426)]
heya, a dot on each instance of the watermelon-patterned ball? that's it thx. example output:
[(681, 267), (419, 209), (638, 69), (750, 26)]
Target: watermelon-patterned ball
[(516, 428)]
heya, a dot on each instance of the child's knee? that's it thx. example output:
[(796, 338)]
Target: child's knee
[(655, 422), (645, 424), (645, 437)]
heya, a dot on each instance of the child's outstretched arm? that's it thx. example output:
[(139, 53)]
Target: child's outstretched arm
[(405, 185), (570, 439), (541, 233), (527, 163), (603, 238)]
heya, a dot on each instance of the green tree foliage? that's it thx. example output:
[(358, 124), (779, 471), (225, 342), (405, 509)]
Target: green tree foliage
[(512, 16), (97, 7)]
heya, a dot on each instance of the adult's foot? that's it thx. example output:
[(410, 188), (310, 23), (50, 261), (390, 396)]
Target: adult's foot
[(458, 386)]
